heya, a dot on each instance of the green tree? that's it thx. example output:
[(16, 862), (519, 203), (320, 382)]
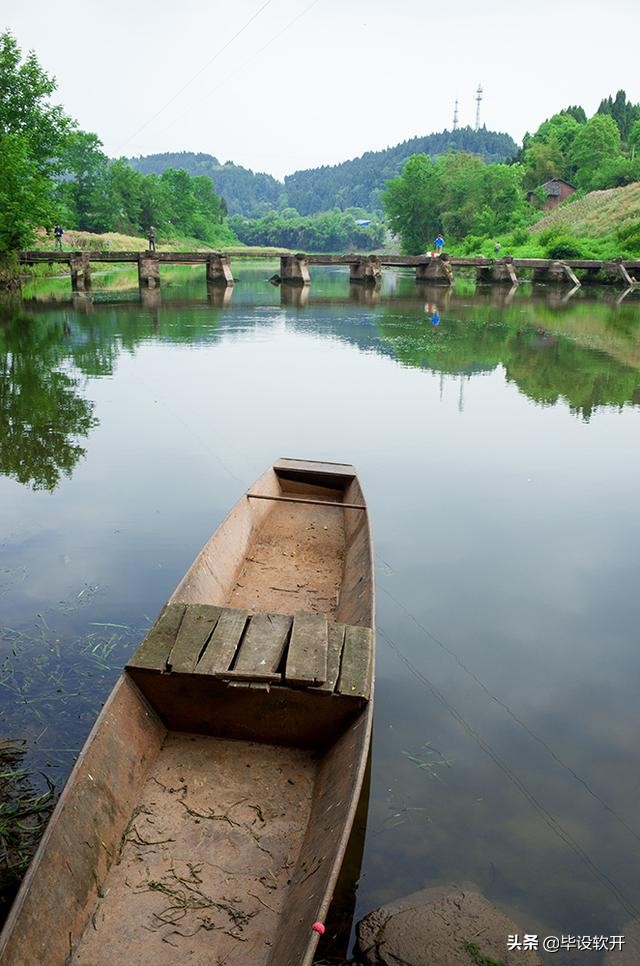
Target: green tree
[(25, 194), (542, 162), (412, 204), (623, 112), (634, 139), (547, 153), (576, 111), (85, 168), (596, 144), (32, 136)]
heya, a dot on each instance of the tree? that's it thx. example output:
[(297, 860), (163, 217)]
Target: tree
[(412, 204), (596, 144), (32, 136), (546, 154), (25, 194), (542, 162), (85, 166), (634, 139), (577, 112), (623, 112)]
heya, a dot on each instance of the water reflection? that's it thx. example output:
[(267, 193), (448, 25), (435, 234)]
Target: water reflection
[(584, 352), (43, 415), (506, 532), (219, 296), (294, 296)]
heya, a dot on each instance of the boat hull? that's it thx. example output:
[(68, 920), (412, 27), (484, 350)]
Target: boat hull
[(209, 812)]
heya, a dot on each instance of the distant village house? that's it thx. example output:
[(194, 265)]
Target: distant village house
[(556, 190)]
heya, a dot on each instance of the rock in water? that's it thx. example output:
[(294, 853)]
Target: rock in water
[(432, 928)]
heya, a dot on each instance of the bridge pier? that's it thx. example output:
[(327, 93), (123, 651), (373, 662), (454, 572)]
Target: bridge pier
[(80, 272), (618, 271), (294, 269), (500, 273), (148, 270), (435, 270), (366, 271), (219, 270), (555, 272)]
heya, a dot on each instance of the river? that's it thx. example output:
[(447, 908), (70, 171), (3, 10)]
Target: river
[(498, 448)]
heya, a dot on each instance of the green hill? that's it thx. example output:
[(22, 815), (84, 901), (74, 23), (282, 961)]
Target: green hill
[(596, 215), (352, 184), (243, 190), (359, 183)]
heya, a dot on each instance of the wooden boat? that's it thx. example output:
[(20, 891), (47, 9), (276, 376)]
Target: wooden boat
[(208, 814)]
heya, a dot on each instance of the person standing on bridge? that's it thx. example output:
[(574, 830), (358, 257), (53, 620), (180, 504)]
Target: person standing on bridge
[(58, 232), (439, 242), (151, 235)]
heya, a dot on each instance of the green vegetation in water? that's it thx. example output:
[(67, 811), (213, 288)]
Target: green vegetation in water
[(24, 814), (429, 760), (478, 958)]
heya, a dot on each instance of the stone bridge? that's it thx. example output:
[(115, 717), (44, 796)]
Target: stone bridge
[(363, 269)]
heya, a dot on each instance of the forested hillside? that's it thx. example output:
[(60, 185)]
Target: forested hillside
[(352, 184), (360, 183), (243, 191)]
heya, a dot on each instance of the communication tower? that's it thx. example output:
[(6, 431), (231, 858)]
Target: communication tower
[(479, 93), (455, 116)]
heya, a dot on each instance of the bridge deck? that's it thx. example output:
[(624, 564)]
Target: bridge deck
[(387, 261)]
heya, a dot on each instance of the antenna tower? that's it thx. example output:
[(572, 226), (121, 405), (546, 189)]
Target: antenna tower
[(479, 93), (455, 116)]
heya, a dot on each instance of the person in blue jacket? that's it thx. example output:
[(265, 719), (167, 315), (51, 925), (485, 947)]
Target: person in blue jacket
[(439, 242)]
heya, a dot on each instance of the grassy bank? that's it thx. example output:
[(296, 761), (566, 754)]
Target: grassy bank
[(110, 241), (598, 214), (601, 225)]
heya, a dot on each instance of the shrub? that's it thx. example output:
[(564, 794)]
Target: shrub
[(629, 236), (549, 235), (520, 236), (564, 246), (472, 244)]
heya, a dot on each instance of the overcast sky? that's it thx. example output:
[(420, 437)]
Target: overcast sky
[(316, 82)]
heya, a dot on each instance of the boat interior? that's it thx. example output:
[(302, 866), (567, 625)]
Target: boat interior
[(220, 782)]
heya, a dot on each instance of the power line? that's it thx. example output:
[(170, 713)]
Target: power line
[(248, 61), (197, 74)]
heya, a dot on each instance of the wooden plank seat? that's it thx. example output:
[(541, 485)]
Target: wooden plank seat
[(300, 650)]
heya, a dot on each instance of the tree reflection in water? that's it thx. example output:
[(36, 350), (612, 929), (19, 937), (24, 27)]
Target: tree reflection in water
[(43, 415)]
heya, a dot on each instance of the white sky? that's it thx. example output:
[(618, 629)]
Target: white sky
[(335, 78)]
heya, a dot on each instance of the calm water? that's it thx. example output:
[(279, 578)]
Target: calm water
[(499, 454)]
